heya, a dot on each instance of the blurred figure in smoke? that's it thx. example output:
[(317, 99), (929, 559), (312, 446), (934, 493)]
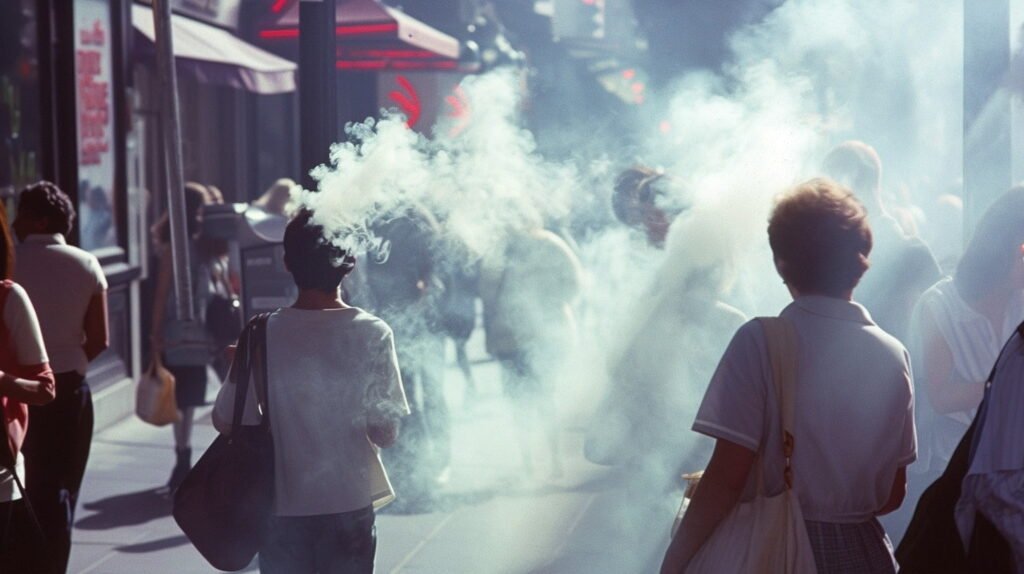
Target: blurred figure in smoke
[(403, 283), (530, 324), (902, 266), (457, 310), (635, 204), (853, 412), (944, 231), (277, 199), (961, 323)]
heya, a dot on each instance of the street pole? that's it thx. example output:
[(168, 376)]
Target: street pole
[(988, 114), (168, 81), (318, 102)]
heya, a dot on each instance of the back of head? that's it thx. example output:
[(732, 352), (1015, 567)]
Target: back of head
[(820, 237), (857, 166), (44, 203), (314, 262), (196, 196), (634, 188), (995, 248)]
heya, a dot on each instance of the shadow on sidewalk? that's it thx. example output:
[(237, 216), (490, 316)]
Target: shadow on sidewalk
[(126, 510)]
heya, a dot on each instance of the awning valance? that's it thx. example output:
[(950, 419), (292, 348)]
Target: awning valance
[(373, 36), (216, 56)]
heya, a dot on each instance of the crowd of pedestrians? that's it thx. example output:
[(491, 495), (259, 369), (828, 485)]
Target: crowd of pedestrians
[(847, 407)]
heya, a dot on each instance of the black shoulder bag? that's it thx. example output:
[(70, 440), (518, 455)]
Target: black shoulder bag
[(225, 502)]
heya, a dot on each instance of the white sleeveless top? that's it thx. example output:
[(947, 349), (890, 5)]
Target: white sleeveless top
[(974, 345)]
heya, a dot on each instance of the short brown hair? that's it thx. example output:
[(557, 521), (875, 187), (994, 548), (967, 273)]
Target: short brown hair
[(820, 233)]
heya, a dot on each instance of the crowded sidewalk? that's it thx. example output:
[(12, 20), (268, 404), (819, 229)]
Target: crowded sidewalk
[(486, 517)]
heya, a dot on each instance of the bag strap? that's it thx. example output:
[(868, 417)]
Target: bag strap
[(252, 335), (780, 337), (33, 517)]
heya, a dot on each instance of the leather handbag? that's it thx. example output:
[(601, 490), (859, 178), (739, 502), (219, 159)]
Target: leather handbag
[(767, 534), (225, 502)]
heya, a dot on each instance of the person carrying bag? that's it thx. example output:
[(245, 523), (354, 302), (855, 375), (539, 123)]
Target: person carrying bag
[(224, 503), (766, 534), (809, 437)]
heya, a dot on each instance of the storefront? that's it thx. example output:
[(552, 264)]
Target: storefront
[(63, 118)]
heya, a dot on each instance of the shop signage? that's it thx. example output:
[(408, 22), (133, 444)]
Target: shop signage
[(95, 122)]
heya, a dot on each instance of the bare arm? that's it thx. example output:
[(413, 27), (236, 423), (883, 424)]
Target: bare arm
[(97, 327), (899, 492), (946, 392), (34, 389), (719, 491)]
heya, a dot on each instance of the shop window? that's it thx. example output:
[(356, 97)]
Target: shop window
[(19, 96)]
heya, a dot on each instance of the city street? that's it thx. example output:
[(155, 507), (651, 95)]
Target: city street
[(488, 517)]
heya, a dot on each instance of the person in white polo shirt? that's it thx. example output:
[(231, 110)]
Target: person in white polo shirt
[(69, 291), (335, 398), (853, 427)]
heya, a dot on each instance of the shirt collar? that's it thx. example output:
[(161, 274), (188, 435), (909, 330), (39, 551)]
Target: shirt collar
[(45, 239), (833, 308)]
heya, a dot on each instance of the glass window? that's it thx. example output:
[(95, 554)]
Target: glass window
[(19, 96), (96, 161)]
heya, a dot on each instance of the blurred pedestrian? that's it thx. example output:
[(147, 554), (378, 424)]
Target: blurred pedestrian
[(25, 379), (69, 291), (405, 285), (902, 266), (961, 323), (530, 324), (853, 406), (637, 202), (335, 397), (186, 349), (278, 197)]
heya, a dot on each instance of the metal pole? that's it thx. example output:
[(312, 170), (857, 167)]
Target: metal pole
[(987, 107), (318, 102), (171, 130)]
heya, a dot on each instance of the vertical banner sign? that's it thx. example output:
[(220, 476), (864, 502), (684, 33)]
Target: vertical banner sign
[(93, 62)]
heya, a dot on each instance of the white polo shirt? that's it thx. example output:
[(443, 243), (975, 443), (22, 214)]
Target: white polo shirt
[(854, 422), (61, 280), (328, 372)]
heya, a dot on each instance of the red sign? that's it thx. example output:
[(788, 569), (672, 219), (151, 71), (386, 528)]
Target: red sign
[(93, 95)]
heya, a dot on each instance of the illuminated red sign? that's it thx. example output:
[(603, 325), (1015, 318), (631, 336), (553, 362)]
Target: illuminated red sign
[(407, 100)]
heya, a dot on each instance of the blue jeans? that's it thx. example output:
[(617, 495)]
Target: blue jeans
[(344, 543)]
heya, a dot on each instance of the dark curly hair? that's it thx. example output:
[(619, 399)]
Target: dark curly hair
[(819, 233), (314, 262), (44, 201)]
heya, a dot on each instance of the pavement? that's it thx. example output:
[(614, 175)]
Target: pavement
[(488, 516)]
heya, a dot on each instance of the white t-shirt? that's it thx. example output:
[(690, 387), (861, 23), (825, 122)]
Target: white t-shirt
[(61, 279), (328, 372), (854, 423), (20, 321)]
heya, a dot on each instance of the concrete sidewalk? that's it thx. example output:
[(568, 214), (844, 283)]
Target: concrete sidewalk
[(488, 517)]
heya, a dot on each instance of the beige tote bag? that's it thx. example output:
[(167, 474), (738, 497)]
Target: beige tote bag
[(766, 535)]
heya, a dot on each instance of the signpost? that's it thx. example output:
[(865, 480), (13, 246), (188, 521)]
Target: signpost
[(318, 102), (168, 80)]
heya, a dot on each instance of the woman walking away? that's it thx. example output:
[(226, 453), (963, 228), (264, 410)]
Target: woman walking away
[(186, 350), (69, 291), (335, 395), (853, 425), (25, 379)]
